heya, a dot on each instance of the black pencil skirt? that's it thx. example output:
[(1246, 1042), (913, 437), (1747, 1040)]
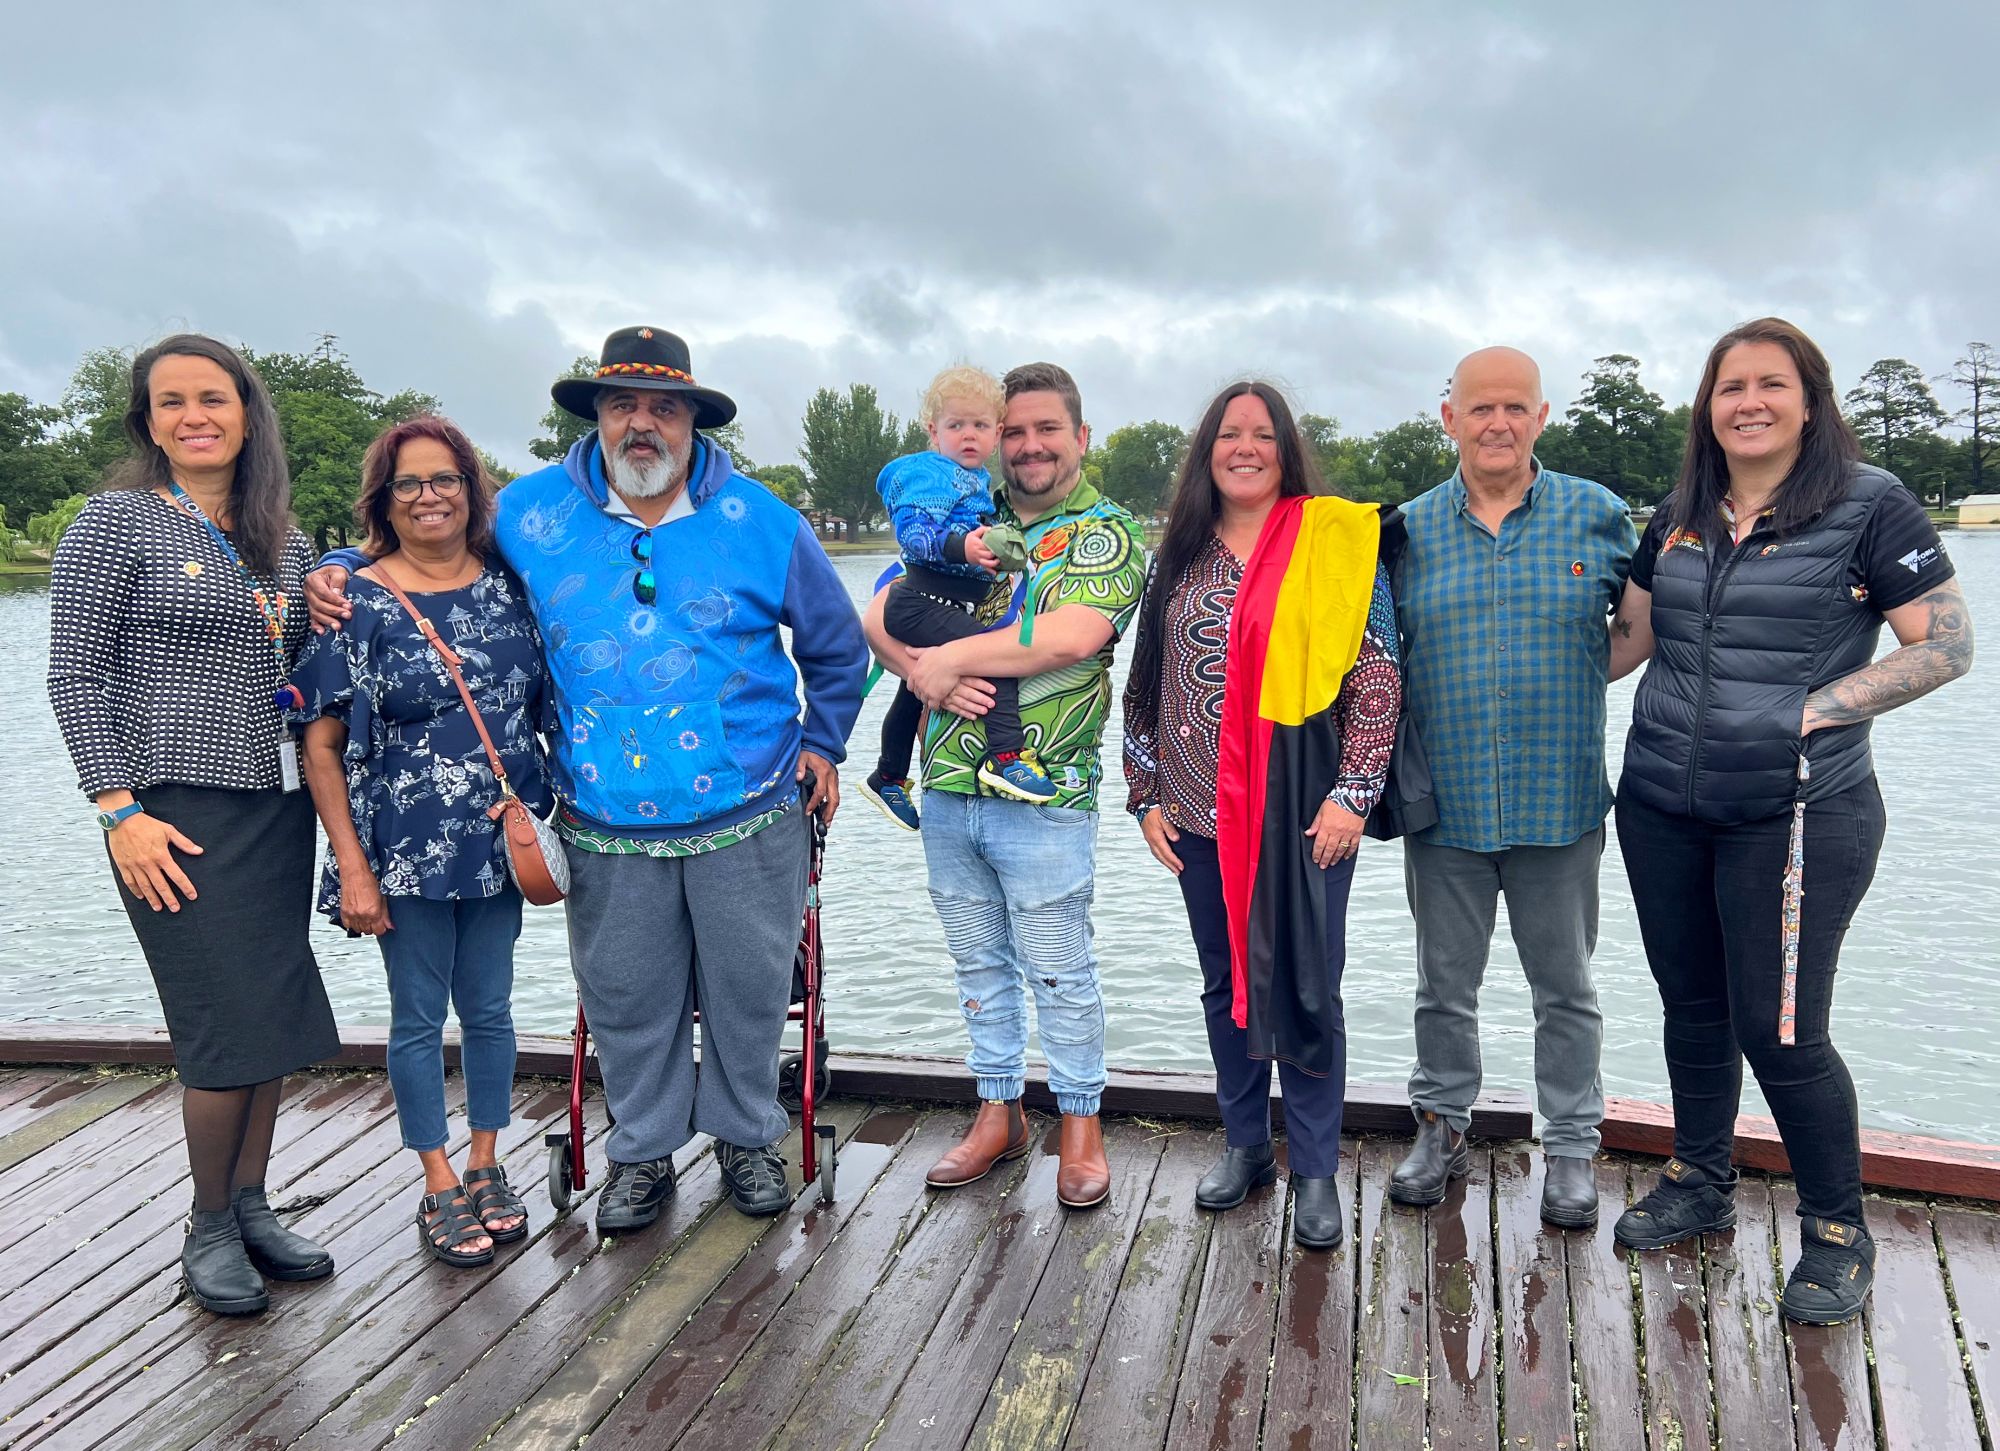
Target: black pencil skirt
[(234, 967)]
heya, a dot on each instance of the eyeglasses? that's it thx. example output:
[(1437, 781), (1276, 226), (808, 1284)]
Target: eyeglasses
[(445, 486), (643, 587)]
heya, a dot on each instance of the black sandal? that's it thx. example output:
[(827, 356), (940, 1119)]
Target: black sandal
[(494, 1198), (453, 1225)]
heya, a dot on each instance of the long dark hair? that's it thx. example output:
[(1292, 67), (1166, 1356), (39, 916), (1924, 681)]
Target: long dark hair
[(1197, 504), (260, 499), (378, 465), (1828, 449)]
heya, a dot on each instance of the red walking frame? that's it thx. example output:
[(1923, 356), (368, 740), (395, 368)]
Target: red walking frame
[(803, 1076)]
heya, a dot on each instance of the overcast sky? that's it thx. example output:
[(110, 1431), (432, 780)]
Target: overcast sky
[(1160, 196)]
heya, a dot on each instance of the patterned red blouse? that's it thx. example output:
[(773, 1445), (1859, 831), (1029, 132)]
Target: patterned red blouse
[(1173, 743)]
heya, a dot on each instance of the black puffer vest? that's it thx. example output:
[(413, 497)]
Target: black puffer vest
[(1715, 727)]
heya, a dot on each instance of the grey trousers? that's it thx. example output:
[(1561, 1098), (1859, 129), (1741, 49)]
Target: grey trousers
[(1552, 911), (649, 937)]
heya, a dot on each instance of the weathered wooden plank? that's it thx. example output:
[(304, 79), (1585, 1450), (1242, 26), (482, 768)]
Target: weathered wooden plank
[(1831, 1395), (238, 1361), (1746, 1343), (20, 1083), (58, 1090), (1464, 1396), (1220, 1402), (938, 1274), (417, 1313), (1311, 1404), (96, 1347), (111, 1151), (1671, 1318), (623, 1344), (1971, 1242), (677, 1386), (1920, 1377), (941, 1398), (1390, 1376), (1532, 1281), (1128, 1392), (787, 1362), (76, 1112), (1610, 1411)]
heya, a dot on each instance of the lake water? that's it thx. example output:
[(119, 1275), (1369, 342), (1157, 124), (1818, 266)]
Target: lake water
[(1916, 1006)]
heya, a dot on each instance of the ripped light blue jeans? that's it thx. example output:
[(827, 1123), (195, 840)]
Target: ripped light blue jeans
[(1012, 884)]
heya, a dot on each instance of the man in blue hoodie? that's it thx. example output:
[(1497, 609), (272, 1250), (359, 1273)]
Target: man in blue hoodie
[(659, 578)]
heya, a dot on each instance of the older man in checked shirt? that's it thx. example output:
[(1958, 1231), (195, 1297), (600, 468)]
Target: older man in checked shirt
[(1503, 596)]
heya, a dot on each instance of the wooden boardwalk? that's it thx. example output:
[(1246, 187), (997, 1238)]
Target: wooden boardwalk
[(986, 1317)]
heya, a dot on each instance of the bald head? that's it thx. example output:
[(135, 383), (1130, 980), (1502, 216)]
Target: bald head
[(1508, 367), (1495, 413)]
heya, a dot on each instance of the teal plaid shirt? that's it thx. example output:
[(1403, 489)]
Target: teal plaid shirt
[(1505, 654)]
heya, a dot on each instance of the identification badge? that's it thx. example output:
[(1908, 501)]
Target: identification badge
[(288, 763)]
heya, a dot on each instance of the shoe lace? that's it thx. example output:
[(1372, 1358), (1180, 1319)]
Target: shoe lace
[(1825, 1265), (757, 1168), (1663, 1197)]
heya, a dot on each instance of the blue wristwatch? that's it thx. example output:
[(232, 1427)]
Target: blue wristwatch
[(110, 819)]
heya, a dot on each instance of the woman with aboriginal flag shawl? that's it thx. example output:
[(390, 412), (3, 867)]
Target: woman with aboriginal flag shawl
[(1259, 718)]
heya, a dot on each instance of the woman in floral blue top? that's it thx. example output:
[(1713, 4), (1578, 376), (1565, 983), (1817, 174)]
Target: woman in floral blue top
[(403, 785)]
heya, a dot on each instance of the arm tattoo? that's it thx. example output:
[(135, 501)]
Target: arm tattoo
[(1944, 654), (1623, 626)]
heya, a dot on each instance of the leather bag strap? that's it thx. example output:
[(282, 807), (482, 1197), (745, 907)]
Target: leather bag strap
[(380, 574)]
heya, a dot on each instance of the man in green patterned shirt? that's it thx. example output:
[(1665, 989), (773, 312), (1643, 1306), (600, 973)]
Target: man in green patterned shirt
[(1012, 881)]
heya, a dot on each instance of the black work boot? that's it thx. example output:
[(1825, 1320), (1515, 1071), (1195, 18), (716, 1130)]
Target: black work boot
[(1438, 1156), (1835, 1270), (1569, 1191), (755, 1177), (1318, 1221), (277, 1253), (1235, 1174), (216, 1266), (1683, 1204)]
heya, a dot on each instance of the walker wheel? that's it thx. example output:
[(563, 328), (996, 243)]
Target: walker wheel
[(792, 1079), (825, 1132), (559, 1173)]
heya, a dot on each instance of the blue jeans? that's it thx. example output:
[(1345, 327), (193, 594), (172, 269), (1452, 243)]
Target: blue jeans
[(1012, 884), (461, 953)]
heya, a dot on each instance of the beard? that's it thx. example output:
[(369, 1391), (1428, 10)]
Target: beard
[(647, 477), (1059, 481)]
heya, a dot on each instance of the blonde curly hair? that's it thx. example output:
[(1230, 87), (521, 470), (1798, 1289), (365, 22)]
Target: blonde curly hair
[(967, 384)]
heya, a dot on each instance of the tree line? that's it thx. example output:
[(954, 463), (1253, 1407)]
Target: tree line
[(1618, 431)]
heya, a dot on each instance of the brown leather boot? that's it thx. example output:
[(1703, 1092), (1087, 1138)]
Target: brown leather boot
[(1084, 1180), (998, 1133)]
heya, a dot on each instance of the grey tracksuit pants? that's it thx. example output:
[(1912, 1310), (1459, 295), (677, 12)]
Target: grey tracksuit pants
[(649, 938)]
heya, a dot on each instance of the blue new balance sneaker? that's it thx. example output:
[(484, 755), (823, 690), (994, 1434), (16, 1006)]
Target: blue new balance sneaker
[(1017, 775), (893, 797)]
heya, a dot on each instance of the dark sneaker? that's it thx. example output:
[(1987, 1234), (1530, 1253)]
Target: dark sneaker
[(1835, 1270), (1683, 1204), (893, 796), (1017, 774), (756, 1178), (633, 1195)]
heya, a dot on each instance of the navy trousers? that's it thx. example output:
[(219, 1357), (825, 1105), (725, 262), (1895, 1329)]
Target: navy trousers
[(1313, 1104)]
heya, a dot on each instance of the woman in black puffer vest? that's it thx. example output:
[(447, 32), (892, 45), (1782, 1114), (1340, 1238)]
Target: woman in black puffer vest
[(1759, 593)]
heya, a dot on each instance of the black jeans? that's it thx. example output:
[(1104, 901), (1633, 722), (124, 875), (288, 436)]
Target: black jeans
[(1313, 1105), (1710, 902), (919, 620)]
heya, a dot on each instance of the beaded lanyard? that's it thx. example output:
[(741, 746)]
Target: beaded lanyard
[(271, 604)]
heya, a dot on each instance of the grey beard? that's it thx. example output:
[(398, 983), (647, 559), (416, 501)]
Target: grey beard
[(661, 474)]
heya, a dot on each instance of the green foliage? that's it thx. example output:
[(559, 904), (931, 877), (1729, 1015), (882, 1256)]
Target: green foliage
[(36, 466), (1407, 459), (787, 481), (729, 438), (93, 411), (1139, 461), (10, 542), (495, 470), (560, 427), (848, 438), (1617, 433), (1977, 374), (45, 531), (1897, 417)]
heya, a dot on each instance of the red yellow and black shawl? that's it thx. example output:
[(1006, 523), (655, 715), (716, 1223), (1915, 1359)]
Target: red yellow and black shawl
[(1295, 633)]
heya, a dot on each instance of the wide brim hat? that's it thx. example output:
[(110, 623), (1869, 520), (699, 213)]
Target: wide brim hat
[(644, 357)]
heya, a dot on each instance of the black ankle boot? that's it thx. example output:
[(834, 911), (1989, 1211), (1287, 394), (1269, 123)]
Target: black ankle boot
[(216, 1266), (1438, 1156), (277, 1253), (1235, 1174), (1318, 1221)]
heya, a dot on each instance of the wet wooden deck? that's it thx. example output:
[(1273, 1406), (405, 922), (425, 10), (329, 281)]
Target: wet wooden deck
[(986, 1317)]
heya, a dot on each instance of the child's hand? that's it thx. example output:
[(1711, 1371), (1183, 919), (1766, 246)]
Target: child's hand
[(976, 551)]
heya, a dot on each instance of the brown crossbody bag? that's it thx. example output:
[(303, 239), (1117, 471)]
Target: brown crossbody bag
[(534, 852)]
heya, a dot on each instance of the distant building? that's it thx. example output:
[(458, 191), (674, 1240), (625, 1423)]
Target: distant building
[(1979, 509)]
